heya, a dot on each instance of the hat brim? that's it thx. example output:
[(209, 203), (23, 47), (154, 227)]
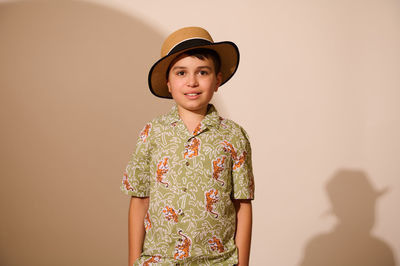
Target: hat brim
[(229, 55)]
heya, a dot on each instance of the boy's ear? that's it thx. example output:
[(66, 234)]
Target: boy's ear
[(219, 81), (169, 86)]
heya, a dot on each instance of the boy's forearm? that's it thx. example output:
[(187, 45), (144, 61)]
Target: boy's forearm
[(243, 230), (136, 232)]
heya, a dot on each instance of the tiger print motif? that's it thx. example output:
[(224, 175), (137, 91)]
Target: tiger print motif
[(147, 222), (153, 259), (192, 148), (218, 166), (196, 131), (170, 214), (162, 170), (145, 132), (182, 250), (212, 198), (238, 160), (126, 183), (216, 244)]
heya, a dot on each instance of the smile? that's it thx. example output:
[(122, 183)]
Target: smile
[(192, 94)]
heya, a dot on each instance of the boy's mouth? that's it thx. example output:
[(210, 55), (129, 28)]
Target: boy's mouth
[(192, 94)]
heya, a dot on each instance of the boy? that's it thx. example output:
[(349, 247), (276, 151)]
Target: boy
[(190, 177)]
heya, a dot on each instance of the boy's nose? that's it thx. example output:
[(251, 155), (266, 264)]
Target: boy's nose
[(192, 81)]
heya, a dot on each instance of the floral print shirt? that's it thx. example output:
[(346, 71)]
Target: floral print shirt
[(190, 179)]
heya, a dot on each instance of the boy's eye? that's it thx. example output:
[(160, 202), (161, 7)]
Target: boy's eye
[(203, 72), (180, 73)]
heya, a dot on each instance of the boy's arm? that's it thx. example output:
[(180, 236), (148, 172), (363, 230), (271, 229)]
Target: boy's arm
[(243, 229), (136, 232)]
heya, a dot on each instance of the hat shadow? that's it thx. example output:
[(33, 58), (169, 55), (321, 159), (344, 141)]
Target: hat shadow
[(351, 241), (73, 98)]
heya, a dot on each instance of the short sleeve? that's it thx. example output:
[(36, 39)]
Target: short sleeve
[(136, 179), (242, 169)]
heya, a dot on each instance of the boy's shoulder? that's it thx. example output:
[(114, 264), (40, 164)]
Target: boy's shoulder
[(233, 128), (163, 120), (158, 124), (230, 124)]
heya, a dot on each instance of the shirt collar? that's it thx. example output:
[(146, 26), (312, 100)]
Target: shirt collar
[(211, 119)]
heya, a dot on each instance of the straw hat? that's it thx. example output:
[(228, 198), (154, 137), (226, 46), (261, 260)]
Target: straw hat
[(185, 39)]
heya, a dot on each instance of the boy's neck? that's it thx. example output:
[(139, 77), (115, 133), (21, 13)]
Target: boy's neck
[(191, 119)]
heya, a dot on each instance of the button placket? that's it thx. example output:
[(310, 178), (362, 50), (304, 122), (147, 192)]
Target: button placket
[(187, 144)]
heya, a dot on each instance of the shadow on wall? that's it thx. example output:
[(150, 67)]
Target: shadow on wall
[(73, 98), (351, 242)]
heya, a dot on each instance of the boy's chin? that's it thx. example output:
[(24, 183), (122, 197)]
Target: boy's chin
[(195, 108)]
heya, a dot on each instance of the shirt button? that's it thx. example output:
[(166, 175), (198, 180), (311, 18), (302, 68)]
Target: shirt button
[(182, 214), (184, 189), (187, 163)]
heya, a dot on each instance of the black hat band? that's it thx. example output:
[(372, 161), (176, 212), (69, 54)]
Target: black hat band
[(189, 44)]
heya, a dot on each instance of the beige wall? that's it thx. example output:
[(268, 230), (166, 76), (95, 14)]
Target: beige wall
[(318, 91)]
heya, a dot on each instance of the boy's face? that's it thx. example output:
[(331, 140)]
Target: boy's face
[(192, 83)]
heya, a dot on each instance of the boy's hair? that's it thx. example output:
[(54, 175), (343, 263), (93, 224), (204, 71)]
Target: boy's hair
[(201, 53)]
